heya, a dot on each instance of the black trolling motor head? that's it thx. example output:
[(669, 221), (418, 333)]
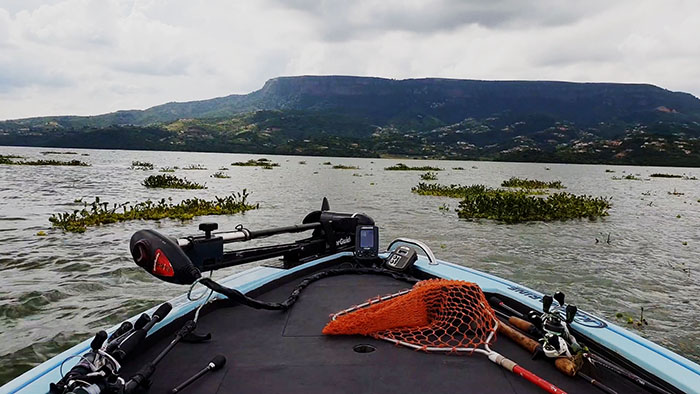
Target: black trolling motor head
[(162, 257)]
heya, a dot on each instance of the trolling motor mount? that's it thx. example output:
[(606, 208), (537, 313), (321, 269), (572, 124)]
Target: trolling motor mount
[(181, 261)]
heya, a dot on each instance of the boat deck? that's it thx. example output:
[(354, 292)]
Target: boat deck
[(285, 352)]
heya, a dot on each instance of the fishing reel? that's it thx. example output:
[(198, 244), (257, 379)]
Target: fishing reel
[(557, 340)]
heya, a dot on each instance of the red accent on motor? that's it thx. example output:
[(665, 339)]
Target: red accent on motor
[(161, 265)]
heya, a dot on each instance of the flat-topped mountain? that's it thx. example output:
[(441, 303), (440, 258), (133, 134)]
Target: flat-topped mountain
[(429, 117), (444, 101)]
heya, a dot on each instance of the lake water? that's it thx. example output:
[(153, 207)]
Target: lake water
[(60, 288)]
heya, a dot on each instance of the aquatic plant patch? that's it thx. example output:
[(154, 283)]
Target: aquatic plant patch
[(53, 152), (455, 191), (660, 175), (195, 167), (531, 183), (75, 163), (98, 213), (514, 206), (167, 169), (403, 167), (344, 167), (429, 176), (220, 175), (627, 178), (141, 165), (170, 182), (255, 163)]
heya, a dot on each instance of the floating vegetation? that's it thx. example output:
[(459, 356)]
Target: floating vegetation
[(220, 175), (8, 160), (41, 233), (194, 167), (403, 167), (167, 169), (223, 168), (357, 174), (630, 320), (458, 168), (264, 163), (660, 175), (170, 182), (327, 163), (344, 167), (689, 178), (302, 162), (531, 184), (629, 177), (429, 176), (514, 206), (675, 193), (54, 152), (455, 191), (141, 165), (609, 170), (444, 208), (97, 213)]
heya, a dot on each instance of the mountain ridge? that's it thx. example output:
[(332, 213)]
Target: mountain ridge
[(484, 97), (592, 122)]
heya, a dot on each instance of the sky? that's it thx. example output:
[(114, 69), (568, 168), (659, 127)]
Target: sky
[(86, 57)]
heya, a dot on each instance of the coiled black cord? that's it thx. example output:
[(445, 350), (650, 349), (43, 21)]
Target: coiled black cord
[(236, 295)]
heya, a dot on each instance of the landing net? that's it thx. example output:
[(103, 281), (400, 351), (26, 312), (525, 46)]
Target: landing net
[(435, 315)]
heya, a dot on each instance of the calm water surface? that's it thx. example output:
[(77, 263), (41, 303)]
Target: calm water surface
[(59, 289)]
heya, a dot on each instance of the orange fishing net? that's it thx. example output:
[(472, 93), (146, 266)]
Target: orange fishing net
[(436, 315)]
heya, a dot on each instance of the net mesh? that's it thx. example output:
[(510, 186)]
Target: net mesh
[(436, 313)]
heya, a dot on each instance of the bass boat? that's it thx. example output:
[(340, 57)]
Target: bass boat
[(335, 314)]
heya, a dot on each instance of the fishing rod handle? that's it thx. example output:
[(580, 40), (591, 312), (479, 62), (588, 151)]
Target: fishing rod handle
[(563, 364), (511, 366)]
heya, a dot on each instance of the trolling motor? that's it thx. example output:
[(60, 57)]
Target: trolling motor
[(181, 261)]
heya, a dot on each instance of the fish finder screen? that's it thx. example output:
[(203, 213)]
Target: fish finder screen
[(367, 238)]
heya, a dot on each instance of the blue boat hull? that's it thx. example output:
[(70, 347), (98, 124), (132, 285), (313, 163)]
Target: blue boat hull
[(656, 360)]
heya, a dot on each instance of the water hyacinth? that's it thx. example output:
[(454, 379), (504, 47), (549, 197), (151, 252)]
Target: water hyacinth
[(265, 163), (403, 167), (429, 176), (455, 191), (141, 165), (344, 167), (220, 175), (98, 213), (194, 167), (514, 206), (531, 183), (72, 163), (660, 175), (170, 182)]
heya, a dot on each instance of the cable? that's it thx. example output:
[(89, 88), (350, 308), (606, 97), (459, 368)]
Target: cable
[(236, 295), (189, 296)]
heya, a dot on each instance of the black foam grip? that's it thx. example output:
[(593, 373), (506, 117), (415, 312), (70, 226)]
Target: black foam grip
[(218, 361)]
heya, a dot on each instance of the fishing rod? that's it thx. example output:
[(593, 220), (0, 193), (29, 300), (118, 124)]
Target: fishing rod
[(592, 358)]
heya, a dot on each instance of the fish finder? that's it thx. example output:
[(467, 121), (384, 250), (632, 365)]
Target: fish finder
[(366, 242)]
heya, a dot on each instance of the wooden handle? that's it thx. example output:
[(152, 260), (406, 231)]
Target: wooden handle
[(564, 365), (525, 342), (521, 324)]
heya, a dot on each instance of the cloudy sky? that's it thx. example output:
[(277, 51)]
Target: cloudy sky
[(93, 56)]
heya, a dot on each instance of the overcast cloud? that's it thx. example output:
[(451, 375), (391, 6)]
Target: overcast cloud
[(87, 57)]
